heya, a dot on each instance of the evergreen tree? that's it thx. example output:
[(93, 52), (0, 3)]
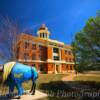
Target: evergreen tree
[(86, 45)]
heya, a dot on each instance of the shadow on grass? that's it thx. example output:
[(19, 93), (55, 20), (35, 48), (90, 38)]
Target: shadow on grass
[(72, 90), (11, 96)]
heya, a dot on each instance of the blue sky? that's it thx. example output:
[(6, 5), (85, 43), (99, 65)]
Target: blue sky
[(63, 17)]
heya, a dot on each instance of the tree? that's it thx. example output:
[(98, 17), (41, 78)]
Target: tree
[(8, 37), (1, 54), (86, 45)]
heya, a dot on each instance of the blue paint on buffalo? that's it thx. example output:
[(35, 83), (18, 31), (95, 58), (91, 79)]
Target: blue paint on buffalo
[(19, 74)]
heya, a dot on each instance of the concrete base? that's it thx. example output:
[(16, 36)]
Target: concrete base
[(38, 95)]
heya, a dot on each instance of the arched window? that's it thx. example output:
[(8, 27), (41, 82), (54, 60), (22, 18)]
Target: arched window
[(43, 35)]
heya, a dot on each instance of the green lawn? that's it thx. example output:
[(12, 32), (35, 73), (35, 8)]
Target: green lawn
[(87, 78), (44, 78)]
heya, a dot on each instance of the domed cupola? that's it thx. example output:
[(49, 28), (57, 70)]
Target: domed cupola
[(43, 32)]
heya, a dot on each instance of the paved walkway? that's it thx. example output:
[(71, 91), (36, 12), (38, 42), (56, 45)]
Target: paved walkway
[(71, 76)]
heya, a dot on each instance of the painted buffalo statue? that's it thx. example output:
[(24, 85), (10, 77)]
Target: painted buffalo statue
[(14, 74)]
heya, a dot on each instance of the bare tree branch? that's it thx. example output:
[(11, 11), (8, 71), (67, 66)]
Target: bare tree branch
[(8, 35)]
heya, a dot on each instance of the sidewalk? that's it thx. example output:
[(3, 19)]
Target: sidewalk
[(69, 77)]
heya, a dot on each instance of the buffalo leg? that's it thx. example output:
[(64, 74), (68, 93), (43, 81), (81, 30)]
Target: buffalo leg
[(33, 88), (11, 89), (20, 89)]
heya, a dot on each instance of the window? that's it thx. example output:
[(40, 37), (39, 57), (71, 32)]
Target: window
[(40, 57), (70, 60), (43, 35), (33, 56), (69, 52), (26, 45), (55, 50), (33, 65), (33, 46), (41, 68), (70, 67), (26, 55), (56, 58), (66, 51), (40, 47), (66, 67), (66, 59)]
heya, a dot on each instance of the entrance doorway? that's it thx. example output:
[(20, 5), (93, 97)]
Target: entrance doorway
[(57, 68)]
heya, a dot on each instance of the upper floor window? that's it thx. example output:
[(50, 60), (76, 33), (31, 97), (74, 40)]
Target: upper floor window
[(40, 57), (66, 59), (70, 60), (40, 47), (33, 46), (26, 56), (71, 67), (55, 50), (43, 35), (56, 57), (66, 51), (33, 56), (69, 52), (26, 44)]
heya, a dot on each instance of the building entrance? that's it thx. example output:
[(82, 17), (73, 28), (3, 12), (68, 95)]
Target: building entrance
[(57, 68)]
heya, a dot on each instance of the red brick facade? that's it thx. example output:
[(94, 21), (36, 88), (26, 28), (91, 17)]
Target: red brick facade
[(48, 56)]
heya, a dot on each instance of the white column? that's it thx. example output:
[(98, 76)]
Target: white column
[(55, 69), (60, 54), (47, 36), (60, 67)]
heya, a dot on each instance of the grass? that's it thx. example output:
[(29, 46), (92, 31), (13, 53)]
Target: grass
[(87, 78), (52, 83), (43, 78), (46, 78)]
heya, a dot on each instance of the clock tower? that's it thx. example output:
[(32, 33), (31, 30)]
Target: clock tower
[(43, 32)]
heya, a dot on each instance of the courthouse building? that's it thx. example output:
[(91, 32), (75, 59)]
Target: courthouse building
[(47, 55)]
